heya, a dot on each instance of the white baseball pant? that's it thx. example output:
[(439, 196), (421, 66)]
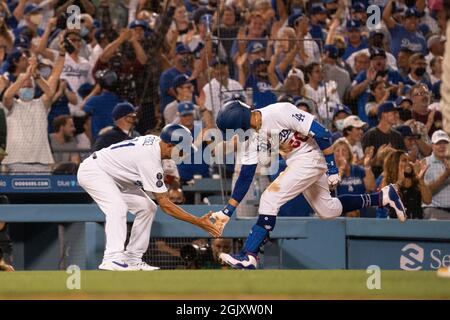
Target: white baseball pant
[(115, 204), (307, 177)]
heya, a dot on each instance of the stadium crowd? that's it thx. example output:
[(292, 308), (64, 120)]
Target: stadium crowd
[(132, 66)]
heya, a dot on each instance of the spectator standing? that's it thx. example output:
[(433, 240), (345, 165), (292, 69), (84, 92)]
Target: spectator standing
[(100, 107), (421, 99), (437, 178), (406, 33), (221, 87), (62, 141), (27, 143), (383, 133)]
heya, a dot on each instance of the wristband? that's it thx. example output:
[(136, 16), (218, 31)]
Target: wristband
[(229, 210), (331, 164)]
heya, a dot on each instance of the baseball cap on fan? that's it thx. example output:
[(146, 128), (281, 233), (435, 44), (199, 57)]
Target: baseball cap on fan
[(439, 135), (353, 121)]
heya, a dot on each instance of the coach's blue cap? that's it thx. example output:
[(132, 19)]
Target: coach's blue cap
[(179, 80), (317, 8), (342, 108), (388, 106), (31, 8), (353, 25), (185, 108), (411, 12), (122, 109), (181, 48), (358, 7), (138, 23)]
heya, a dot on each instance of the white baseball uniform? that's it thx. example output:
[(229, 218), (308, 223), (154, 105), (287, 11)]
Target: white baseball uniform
[(306, 166), (115, 178)]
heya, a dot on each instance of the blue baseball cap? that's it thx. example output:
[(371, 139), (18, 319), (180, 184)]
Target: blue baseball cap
[(353, 25), (358, 7), (255, 47), (377, 52), (182, 49), (332, 51), (317, 8), (402, 99), (180, 80), (406, 131), (411, 12), (138, 23), (31, 8), (22, 41), (185, 108), (388, 106), (341, 108), (234, 115), (293, 18), (122, 109)]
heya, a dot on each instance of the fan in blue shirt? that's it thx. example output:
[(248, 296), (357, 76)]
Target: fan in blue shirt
[(378, 70), (405, 34), (355, 40)]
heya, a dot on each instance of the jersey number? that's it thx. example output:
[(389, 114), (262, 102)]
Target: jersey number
[(129, 144), (297, 139)]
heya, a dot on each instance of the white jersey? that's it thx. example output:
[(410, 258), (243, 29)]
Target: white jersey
[(287, 124), (219, 93), (134, 164)]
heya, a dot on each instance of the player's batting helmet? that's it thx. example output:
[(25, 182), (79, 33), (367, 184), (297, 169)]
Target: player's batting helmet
[(175, 134), (234, 115)]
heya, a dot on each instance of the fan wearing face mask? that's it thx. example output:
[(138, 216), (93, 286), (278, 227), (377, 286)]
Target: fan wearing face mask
[(28, 148), (418, 71)]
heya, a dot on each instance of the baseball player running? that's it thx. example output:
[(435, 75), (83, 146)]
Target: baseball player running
[(121, 178), (311, 170)]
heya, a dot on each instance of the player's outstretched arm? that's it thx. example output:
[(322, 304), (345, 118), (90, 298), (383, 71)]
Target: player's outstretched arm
[(241, 187), (175, 211)]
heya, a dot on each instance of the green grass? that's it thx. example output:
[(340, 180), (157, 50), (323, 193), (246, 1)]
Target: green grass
[(225, 284)]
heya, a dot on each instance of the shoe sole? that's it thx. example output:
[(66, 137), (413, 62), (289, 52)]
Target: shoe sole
[(238, 266)]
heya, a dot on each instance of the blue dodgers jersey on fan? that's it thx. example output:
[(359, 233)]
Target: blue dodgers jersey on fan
[(262, 92), (403, 38), (349, 50), (393, 78)]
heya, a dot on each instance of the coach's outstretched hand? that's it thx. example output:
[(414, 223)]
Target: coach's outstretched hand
[(205, 223)]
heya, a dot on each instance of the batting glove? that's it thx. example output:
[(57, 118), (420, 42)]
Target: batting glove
[(220, 220), (334, 180)]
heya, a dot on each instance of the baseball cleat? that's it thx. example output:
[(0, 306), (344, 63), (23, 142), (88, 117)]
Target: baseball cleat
[(115, 266), (391, 198), (239, 261), (444, 272), (142, 266)]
